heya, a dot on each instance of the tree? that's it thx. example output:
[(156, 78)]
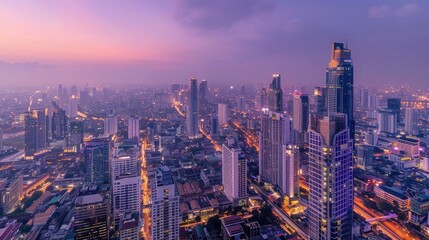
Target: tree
[(214, 224), (197, 219)]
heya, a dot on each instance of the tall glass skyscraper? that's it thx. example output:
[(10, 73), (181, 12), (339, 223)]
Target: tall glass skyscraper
[(330, 208), (339, 81), (192, 109), (275, 95)]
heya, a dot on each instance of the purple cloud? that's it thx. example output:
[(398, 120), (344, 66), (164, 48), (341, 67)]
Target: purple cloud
[(385, 11), (220, 14)]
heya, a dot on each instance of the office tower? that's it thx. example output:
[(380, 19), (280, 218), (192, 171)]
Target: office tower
[(290, 167), (242, 100), (365, 155), (110, 125), (214, 123), (263, 98), (318, 101), (234, 173), (10, 193), (175, 89), (300, 116), (202, 98), (125, 158), (75, 137), (126, 196), (410, 121), (91, 217), (73, 106), (97, 161), (133, 127), (165, 206), (192, 109), (330, 178), (276, 131), (371, 137), (222, 112), (387, 121), (364, 98), (36, 133), (339, 81), (59, 123), (394, 105), (275, 95)]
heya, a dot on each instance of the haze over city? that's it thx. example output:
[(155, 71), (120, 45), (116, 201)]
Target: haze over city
[(159, 42)]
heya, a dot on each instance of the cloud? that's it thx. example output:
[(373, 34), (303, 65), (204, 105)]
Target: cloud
[(385, 11), (24, 65), (219, 14)]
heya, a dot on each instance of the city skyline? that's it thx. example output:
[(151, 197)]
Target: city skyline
[(110, 47)]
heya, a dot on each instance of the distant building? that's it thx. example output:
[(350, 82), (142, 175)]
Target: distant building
[(110, 125), (275, 95), (133, 127), (276, 131), (214, 123), (365, 155), (394, 105), (36, 132), (73, 106), (75, 137), (165, 206), (410, 121), (300, 116), (126, 197), (387, 121), (91, 215), (192, 109), (59, 123), (234, 173), (318, 100), (96, 155), (223, 113), (202, 98), (330, 208)]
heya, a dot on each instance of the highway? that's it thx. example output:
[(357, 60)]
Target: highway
[(285, 218)]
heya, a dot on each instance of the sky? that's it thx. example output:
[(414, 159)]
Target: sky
[(134, 42)]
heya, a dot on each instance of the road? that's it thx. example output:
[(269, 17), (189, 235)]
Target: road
[(289, 221), (215, 144)]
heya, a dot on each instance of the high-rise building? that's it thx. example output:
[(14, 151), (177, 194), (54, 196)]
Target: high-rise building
[(410, 121), (330, 208), (276, 131), (73, 106), (387, 121), (125, 158), (290, 167), (234, 173), (110, 125), (242, 100), (165, 206), (97, 161), (275, 94), (10, 193), (339, 81), (365, 155), (222, 112), (192, 109), (91, 215), (394, 105), (75, 137), (318, 100), (300, 116), (59, 123), (36, 133), (263, 99), (214, 123), (126, 197), (133, 127), (202, 98)]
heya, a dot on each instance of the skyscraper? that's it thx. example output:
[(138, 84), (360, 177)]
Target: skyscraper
[(91, 214), (73, 106), (410, 121), (110, 125), (133, 127), (387, 121), (214, 123), (276, 131), (339, 81), (36, 133), (394, 105), (126, 196), (300, 116), (234, 173), (222, 112), (97, 161), (192, 109), (165, 206), (290, 167), (330, 177), (75, 137), (59, 123), (202, 98), (125, 156), (275, 94), (318, 101)]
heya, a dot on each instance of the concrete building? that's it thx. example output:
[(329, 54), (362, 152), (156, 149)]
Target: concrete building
[(234, 173), (365, 155), (192, 109), (10, 193), (36, 132), (387, 121), (133, 127), (110, 125), (126, 197), (222, 112), (290, 167), (91, 215), (411, 121), (97, 166)]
